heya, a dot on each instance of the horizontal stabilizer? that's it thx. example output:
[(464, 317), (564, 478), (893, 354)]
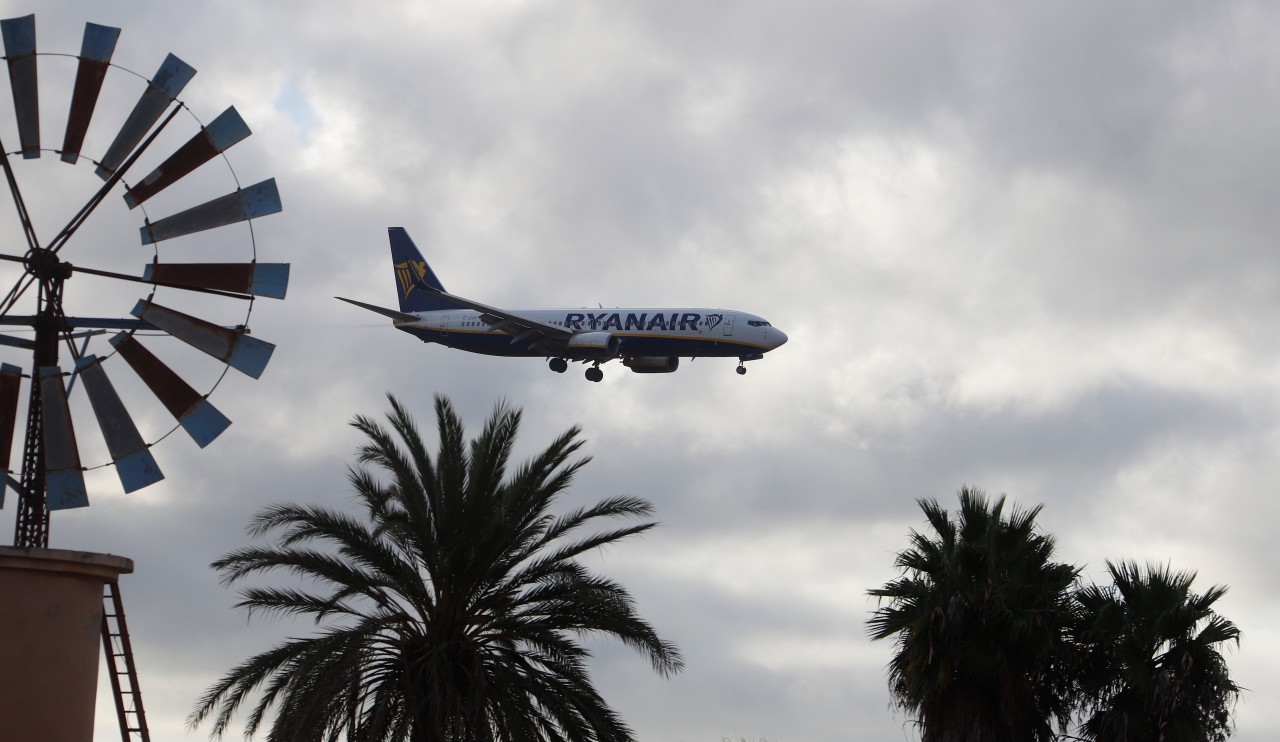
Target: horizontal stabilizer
[(392, 313)]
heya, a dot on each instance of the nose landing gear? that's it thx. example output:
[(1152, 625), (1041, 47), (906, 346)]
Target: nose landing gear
[(742, 370)]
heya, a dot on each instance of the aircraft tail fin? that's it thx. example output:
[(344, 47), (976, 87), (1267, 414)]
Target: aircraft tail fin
[(416, 283)]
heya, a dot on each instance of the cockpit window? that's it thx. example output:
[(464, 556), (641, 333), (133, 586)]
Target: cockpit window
[(758, 323)]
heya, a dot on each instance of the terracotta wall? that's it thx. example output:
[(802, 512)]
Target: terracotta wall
[(51, 640)]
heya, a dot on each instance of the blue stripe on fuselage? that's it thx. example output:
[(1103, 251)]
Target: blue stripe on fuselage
[(499, 344)]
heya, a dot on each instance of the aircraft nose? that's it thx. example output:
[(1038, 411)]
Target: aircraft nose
[(777, 338)]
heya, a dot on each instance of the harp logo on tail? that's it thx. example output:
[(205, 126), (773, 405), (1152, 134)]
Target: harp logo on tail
[(409, 273)]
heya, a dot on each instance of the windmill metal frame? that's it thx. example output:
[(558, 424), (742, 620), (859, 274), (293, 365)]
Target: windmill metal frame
[(51, 475)]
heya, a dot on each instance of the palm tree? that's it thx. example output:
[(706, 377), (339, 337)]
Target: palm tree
[(980, 615), (1151, 666), (451, 611)]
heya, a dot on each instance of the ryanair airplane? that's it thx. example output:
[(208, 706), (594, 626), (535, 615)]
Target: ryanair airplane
[(648, 341)]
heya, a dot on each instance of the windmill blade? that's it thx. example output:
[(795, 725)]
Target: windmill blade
[(20, 52), (236, 348), (95, 56), (169, 80), (257, 279), (134, 463), (213, 140), (257, 200), (202, 421), (10, 383), (64, 479)]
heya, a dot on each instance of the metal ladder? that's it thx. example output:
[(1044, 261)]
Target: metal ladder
[(120, 667)]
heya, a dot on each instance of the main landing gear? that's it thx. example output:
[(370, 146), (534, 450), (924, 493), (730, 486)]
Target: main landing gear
[(560, 365)]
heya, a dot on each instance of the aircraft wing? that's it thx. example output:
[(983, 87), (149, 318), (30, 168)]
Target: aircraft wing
[(526, 330)]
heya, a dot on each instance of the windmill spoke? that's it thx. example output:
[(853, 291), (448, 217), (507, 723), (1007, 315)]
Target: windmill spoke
[(75, 323), (168, 284), (105, 323), (28, 230), (20, 50), (144, 279), (78, 353), (62, 237), (262, 279), (15, 293)]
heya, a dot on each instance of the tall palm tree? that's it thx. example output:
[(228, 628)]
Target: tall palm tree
[(1151, 665), (450, 611), (979, 615)]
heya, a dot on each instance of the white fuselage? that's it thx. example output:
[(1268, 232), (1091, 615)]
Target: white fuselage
[(688, 332)]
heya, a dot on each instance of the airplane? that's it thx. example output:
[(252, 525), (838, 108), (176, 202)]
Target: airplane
[(646, 340)]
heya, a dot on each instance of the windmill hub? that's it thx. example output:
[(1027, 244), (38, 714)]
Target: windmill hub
[(44, 265)]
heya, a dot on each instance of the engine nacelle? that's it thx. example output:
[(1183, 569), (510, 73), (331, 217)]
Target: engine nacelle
[(652, 364), (593, 344)]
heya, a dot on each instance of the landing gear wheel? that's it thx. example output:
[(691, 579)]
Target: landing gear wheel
[(741, 369), (594, 374), (559, 365)]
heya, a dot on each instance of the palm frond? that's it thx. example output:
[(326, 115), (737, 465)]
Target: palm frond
[(976, 616), (451, 608)]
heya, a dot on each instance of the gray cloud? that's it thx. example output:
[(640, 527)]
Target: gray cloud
[(1020, 247)]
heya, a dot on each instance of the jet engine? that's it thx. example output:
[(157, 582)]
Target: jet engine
[(652, 364), (593, 344)]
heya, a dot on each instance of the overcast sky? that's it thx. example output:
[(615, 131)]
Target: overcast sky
[(1028, 247)]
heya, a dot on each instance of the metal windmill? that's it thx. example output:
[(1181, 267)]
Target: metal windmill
[(51, 341), (51, 472)]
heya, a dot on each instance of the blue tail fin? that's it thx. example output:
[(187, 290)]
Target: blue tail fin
[(412, 274)]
